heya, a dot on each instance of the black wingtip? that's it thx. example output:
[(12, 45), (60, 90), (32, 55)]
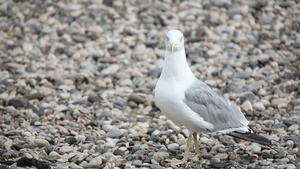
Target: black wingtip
[(253, 137)]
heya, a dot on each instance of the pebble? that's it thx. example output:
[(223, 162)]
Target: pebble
[(293, 127), (242, 75), (247, 106), (259, 106), (136, 98), (18, 103), (95, 162), (38, 96), (254, 147), (222, 156), (40, 143), (65, 149), (115, 133), (173, 147)]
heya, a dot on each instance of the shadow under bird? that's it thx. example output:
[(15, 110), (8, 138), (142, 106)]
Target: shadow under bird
[(190, 102)]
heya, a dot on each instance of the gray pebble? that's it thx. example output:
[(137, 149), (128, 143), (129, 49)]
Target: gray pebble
[(115, 133)]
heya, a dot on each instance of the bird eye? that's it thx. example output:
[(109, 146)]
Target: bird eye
[(167, 37)]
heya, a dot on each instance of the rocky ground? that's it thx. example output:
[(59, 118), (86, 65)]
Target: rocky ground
[(77, 81)]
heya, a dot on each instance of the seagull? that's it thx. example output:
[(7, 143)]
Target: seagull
[(190, 102)]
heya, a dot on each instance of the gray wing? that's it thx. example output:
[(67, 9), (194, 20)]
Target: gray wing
[(213, 108)]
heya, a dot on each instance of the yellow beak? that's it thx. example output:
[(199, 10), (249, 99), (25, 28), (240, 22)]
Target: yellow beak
[(173, 46)]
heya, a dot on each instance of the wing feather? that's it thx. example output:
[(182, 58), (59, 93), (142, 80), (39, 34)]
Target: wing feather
[(213, 108)]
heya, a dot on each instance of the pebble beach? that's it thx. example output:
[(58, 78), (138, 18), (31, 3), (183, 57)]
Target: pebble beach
[(77, 82)]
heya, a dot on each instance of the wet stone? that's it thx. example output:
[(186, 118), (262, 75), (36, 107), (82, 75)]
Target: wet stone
[(94, 98), (17, 147), (38, 96), (154, 138), (218, 164), (115, 133), (136, 98), (18, 103), (71, 140), (119, 152)]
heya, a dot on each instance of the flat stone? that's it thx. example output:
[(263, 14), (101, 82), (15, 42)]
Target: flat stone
[(41, 143), (95, 162), (38, 96), (222, 156), (247, 106), (112, 69), (242, 75), (259, 106), (218, 164), (115, 133), (66, 149), (94, 98), (293, 127), (136, 98), (173, 147), (119, 152), (18, 103)]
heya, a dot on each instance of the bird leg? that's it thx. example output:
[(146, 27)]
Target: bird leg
[(189, 142), (196, 143), (174, 163)]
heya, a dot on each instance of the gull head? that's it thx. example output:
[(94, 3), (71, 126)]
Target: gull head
[(174, 41)]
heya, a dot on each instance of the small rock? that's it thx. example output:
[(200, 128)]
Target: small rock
[(8, 144), (132, 104), (54, 154), (104, 115), (154, 138), (159, 156), (71, 140), (112, 69), (136, 98), (293, 127), (137, 163), (18, 103), (222, 156), (264, 162), (65, 149), (217, 147), (280, 154), (119, 152), (115, 133), (41, 143), (218, 164), (208, 156), (247, 106), (95, 162), (94, 99), (48, 149), (253, 158), (262, 92), (17, 147), (242, 75), (82, 156), (265, 154), (126, 82), (38, 96), (172, 125), (254, 147), (259, 106), (173, 147)]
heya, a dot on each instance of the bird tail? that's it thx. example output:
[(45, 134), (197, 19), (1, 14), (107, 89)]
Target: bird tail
[(251, 136)]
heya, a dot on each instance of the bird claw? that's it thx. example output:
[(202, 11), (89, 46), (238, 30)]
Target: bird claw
[(176, 162)]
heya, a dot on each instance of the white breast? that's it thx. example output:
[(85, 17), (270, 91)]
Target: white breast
[(169, 98)]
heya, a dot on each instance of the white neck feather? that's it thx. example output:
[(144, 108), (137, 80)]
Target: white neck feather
[(176, 67)]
